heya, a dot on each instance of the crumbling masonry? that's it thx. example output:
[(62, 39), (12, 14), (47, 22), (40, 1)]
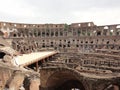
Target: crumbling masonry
[(88, 57)]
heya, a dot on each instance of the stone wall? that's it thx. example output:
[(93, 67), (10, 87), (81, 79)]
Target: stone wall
[(80, 37), (14, 78)]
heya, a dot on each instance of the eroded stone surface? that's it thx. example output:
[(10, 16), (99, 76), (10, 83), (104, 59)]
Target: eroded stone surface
[(89, 56)]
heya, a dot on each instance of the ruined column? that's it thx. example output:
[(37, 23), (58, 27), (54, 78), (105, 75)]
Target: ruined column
[(34, 84), (16, 81)]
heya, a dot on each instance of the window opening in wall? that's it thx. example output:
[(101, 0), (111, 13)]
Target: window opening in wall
[(107, 42), (56, 33), (114, 40), (52, 34), (68, 41), (112, 47), (51, 45), (98, 33), (104, 32), (91, 42), (64, 46), (35, 33), (81, 41), (43, 45), (39, 33), (2, 54), (86, 42), (68, 45), (43, 34), (117, 33), (60, 45), (77, 45), (47, 34), (61, 33), (51, 42), (14, 35)]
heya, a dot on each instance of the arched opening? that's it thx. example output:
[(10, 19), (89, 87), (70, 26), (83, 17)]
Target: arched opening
[(14, 35), (2, 54), (98, 33), (64, 81)]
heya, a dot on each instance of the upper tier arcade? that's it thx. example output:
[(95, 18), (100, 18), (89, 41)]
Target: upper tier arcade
[(80, 37)]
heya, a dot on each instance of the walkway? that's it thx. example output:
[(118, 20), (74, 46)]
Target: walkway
[(27, 59)]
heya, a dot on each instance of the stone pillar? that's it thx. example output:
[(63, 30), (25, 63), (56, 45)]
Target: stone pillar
[(45, 32), (16, 81), (42, 33), (50, 32), (81, 33), (34, 84), (53, 33), (102, 32)]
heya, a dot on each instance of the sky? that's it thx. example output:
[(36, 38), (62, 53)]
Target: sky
[(101, 12)]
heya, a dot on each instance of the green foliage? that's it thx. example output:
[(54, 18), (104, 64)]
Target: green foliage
[(88, 33), (66, 27)]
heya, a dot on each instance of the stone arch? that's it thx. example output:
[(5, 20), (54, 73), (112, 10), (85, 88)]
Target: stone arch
[(98, 33), (66, 80), (2, 54)]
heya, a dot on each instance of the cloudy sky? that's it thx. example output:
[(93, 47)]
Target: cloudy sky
[(60, 11)]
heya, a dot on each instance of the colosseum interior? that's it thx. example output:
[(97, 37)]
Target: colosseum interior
[(86, 56)]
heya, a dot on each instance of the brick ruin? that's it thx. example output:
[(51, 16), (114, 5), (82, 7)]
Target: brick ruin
[(80, 37), (91, 50)]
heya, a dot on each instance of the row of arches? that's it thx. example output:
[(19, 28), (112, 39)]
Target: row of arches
[(59, 44), (62, 32)]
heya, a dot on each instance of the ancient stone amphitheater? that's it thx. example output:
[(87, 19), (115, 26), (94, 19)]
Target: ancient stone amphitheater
[(79, 56)]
